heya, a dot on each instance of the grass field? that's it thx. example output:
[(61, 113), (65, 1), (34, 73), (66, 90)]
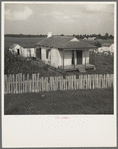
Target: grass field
[(61, 102), (24, 42), (111, 41)]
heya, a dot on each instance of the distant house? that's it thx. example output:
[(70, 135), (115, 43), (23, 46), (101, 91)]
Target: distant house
[(106, 48), (25, 52), (64, 52), (92, 38), (106, 44), (112, 48), (85, 38)]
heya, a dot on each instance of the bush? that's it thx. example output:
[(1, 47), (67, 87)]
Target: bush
[(15, 64), (97, 44)]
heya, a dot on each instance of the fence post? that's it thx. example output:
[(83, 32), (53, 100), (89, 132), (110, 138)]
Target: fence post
[(16, 83), (112, 80), (72, 82), (109, 83), (97, 81), (66, 82), (40, 85), (9, 83), (13, 84), (85, 82), (51, 83), (28, 83), (80, 81), (93, 81), (23, 83), (100, 78), (37, 82), (69, 81), (75, 82), (5, 84), (34, 82)]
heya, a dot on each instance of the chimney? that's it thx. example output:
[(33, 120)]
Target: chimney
[(49, 34)]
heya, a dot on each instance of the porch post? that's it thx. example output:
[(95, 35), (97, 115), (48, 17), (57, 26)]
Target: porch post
[(74, 58), (63, 59), (85, 58)]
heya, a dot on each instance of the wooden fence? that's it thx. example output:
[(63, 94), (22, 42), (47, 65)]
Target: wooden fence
[(22, 84)]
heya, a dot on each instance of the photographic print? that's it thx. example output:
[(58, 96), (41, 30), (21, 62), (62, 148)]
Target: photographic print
[(60, 62)]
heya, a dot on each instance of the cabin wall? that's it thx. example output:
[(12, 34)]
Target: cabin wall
[(29, 52), (43, 55), (24, 53), (67, 57), (87, 57), (55, 58)]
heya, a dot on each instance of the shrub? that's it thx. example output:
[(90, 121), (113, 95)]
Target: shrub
[(97, 44)]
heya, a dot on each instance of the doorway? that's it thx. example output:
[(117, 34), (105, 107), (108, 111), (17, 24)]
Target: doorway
[(38, 53), (79, 57), (73, 57), (18, 51)]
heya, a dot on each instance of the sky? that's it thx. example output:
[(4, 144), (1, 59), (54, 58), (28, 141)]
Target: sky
[(59, 18)]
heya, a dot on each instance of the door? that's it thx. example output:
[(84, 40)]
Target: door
[(79, 57), (38, 53), (72, 57)]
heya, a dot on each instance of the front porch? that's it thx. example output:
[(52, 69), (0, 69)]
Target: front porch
[(78, 66)]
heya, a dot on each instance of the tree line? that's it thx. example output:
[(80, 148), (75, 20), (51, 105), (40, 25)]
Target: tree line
[(24, 35), (98, 36)]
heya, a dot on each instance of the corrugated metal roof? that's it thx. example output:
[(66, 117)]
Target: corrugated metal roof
[(64, 43)]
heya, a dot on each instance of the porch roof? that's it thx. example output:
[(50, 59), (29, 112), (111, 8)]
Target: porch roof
[(65, 43)]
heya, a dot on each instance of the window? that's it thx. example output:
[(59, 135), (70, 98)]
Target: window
[(47, 53)]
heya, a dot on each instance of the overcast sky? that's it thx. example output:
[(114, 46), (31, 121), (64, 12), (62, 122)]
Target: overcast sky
[(76, 18)]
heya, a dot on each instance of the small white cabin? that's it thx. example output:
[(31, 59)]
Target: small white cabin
[(15, 48), (64, 52), (25, 52)]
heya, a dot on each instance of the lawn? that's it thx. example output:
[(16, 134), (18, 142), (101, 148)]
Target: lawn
[(98, 101)]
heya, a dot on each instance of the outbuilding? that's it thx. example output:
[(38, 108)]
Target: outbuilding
[(23, 51), (67, 53), (15, 48)]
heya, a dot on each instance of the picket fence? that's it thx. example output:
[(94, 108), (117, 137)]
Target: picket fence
[(21, 83)]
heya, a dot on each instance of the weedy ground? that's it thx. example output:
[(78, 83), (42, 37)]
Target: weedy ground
[(97, 101)]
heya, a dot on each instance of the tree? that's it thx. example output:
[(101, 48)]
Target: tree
[(98, 44), (106, 36)]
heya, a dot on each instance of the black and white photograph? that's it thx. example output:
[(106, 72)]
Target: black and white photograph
[(59, 73)]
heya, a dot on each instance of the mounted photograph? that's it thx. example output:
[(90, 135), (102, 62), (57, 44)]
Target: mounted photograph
[(59, 85), (59, 59)]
